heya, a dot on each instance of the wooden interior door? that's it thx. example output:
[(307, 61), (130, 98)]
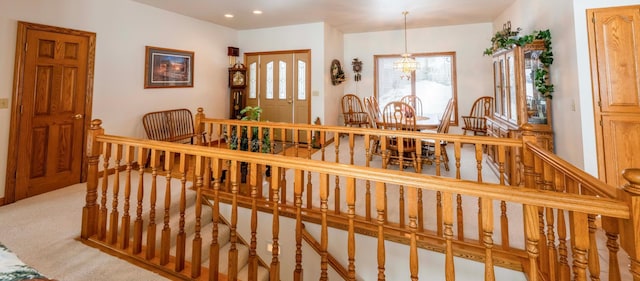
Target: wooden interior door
[(614, 44), (51, 109)]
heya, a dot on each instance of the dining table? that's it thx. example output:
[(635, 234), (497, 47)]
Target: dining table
[(427, 122)]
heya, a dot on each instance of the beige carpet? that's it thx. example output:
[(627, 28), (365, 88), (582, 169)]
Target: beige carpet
[(42, 231)]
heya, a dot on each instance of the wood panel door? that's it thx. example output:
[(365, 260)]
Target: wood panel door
[(51, 108), (614, 45)]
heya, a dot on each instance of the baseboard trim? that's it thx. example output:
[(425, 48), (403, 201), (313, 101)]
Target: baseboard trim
[(1, 201)]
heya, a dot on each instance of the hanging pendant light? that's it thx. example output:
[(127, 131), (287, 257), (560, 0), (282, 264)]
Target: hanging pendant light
[(406, 64)]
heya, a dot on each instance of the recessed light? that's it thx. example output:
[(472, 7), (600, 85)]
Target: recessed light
[(257, 12), (228, 15)]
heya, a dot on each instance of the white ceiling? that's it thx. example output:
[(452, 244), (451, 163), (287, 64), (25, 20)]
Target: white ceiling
[(348, 16)]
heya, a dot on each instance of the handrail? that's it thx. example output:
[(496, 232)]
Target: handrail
[(551, 189), (569, 202)]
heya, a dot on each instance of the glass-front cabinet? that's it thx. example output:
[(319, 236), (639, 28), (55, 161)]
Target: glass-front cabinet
[(518, 103)]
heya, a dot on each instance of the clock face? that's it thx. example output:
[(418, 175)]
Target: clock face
[(238, 78)]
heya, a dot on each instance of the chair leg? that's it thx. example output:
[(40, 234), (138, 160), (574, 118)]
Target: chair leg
[(445, 158)]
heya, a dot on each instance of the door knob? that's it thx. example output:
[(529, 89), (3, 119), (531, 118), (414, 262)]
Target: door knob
[(77, 116)]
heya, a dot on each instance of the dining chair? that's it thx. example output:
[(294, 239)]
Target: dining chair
[(371, 104), (353, 111), (413, 101), (443, 128), (399, 116), (476, 121)]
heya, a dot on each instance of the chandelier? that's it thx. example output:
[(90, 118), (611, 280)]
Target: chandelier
[(406, 64)]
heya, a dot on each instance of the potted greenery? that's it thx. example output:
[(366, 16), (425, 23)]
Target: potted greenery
[(251, 113)]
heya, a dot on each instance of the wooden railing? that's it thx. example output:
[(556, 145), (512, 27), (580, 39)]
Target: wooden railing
[(335, 195)]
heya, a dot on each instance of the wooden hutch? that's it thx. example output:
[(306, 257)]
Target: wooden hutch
[(518, 103)]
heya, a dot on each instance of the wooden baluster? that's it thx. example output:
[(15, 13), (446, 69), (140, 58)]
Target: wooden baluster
[(552, 252), (437, 153), (564, 272), (420, 211), (401, 205), (298, 183), (479, 162), (594, 260), (580, 239), (323, 140), (487, 239), (196, 254), (456, 152), (460, 217), (336, 192), (274, 268), (478, 150), (385, 157), (412, 195), (539, 184), (253, 259), (151, 227), (309, 185), (351, 240), (214, 256), (181, 238), (139, 222), (199, 125), (102, 219), (611, 228), (439, 219), (165, 245), (630, 238), (367, 184), (532, 236), (324, 234), (352, 141), (504, 220), (232, 272), (380, 207), (502, 155), (447, 217), (125, 233), (112, 237), (90, 209)]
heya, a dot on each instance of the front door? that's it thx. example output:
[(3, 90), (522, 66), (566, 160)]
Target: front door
[(51, 108), (614, 41), (279, 82)]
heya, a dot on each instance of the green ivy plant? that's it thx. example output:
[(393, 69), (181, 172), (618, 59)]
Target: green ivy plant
[(507, 39), (251, 113)]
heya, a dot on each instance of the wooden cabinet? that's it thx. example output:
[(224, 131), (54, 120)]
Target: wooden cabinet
[(517, 103)]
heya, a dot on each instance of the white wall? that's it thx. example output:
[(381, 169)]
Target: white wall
[(334, 49), (123, 29), (292, 37), (468, 41)]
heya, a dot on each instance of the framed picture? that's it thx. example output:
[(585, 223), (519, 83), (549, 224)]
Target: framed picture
[(167, 68)]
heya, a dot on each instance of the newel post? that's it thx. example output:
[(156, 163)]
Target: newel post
[(630, 230), (90, 210), (199, 126)]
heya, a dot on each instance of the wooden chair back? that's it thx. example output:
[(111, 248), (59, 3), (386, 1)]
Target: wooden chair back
[(414, 101), (371, 104), (445, 120), (353, 111), (476, 120), (175, 125)]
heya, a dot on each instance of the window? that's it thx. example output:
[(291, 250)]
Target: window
[(434, 82)]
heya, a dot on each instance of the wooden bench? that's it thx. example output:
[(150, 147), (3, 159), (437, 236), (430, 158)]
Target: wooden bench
[(174, 125)]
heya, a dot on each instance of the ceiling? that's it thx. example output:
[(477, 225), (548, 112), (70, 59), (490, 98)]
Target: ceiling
[(348, 16)]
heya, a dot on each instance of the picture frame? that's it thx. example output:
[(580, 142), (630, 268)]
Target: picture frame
[(168, 68)]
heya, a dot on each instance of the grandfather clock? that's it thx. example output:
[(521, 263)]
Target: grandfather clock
[(237, 86)]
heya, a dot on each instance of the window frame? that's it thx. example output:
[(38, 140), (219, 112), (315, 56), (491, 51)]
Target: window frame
[(454, 80)]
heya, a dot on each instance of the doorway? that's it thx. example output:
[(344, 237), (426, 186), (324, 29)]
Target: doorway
[(614, 34), (280, 83), (51, 109)]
